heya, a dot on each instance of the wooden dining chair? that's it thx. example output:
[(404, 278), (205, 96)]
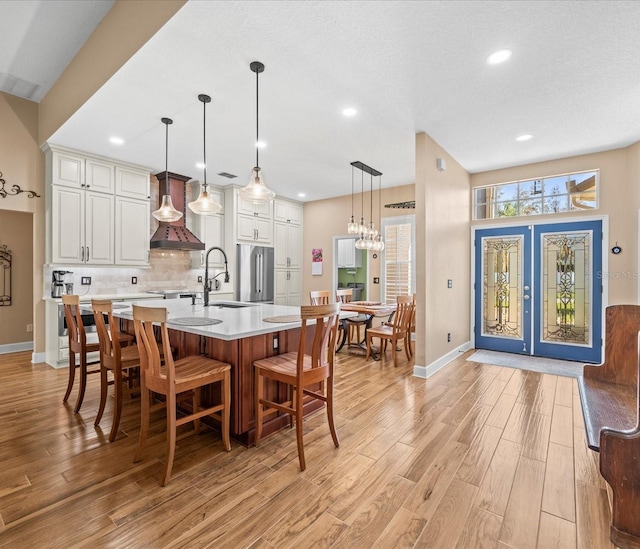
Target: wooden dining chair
[(302, 369), (122, 362), (345, 295), (319, 297), (394, 331), (186, 375), (77, 345)]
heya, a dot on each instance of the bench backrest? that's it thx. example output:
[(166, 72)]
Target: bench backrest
[(621, 347)]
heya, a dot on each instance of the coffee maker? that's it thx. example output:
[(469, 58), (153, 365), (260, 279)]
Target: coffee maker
[(59, 283)]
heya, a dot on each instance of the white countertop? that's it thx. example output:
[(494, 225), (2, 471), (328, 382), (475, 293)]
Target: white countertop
[(237, 323)]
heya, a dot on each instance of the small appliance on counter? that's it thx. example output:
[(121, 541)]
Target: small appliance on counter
[(61, 283)]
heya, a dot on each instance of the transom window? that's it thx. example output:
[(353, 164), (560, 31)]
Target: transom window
[(547, 195)]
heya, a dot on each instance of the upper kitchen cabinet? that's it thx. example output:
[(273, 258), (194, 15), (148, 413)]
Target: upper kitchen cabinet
[(87, 219), (287, 212), (348, 254), (248, 222), (132, 182)]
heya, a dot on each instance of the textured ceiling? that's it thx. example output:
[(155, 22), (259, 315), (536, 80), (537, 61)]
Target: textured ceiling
[(38, 38), (573, 82)]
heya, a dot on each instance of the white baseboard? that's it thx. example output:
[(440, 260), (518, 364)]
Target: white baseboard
[(37, 358), (427, 371), (16, 347)]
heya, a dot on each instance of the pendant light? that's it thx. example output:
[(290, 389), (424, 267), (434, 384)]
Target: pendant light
[(256, 191), (205, 204), (352, 226), (378, 245), (373, 232), (167, 213), (362, 228)]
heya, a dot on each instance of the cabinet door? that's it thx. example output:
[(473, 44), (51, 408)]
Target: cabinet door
[(99, 176), (256, 210), (132, 183), (132, 231), (294, 246), (212, 227), (67, 225), (67, 169), (246, 228), (293, 288), (281, 286), (280, 241), (99, 226), (263, 230), (287, 212)]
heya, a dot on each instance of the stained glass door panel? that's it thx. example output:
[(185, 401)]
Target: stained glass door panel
[(502, 319), (568, 293)]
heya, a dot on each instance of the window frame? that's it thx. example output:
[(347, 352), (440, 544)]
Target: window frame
[(399, 220)]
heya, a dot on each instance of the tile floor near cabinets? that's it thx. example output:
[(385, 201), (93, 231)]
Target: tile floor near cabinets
[(476, 456)]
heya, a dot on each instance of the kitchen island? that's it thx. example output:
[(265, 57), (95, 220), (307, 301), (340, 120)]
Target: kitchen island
[(238, 334)]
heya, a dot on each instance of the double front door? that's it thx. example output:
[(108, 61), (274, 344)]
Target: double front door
[(538, 290)]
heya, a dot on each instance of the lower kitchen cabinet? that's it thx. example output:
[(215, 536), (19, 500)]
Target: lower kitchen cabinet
[(288, 287)]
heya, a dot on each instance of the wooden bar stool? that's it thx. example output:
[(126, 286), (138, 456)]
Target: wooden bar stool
[(302, 369), (77, 344), (122, 362), (187, 375)]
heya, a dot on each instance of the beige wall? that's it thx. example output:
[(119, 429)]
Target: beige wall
[(16, 232), (443, 252), (326, 219), (619, 200), (22, 164)]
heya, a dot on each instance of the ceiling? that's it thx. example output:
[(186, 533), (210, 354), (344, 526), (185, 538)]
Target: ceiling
[(573, 82)]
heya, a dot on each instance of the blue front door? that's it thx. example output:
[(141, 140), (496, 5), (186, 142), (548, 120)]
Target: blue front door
[(536, 290)]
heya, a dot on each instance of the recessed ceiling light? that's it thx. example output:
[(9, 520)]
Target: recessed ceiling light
[(200, 165), (302, 195), (499, 56), (524, 137), (261, 144), (349, 111), (116, 140)]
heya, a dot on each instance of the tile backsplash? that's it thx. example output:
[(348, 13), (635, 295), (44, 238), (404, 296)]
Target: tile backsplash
[(168, 270)]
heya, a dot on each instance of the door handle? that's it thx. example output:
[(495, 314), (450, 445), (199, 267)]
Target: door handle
[(82, 253), (87, 253)]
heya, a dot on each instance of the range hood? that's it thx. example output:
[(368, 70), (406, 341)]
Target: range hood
[(175, 235)]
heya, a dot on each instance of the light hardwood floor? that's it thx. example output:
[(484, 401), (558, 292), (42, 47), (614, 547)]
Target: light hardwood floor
[(476, 456)]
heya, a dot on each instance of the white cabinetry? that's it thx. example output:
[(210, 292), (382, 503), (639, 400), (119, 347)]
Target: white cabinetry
[(287, 241), (254, 222), (89, 224), (348, 254), (132, 231), (287, 287)]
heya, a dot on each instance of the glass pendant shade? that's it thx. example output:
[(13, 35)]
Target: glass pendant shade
[(361, 243), (166, 213), (352, 227), (205, 204), (256, 191)]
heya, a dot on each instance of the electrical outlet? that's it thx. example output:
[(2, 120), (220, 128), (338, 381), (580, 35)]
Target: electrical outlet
[(85, 281), (449, 337), (200, 279), (449, 283), (134, 280), (29, 328), (275, 343)]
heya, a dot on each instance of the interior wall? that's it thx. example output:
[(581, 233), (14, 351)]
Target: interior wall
[(443, 242), (16, 232), (326, 219), (618, 199), (22, 164)]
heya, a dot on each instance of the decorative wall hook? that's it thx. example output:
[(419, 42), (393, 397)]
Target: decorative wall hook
[(15, 190)]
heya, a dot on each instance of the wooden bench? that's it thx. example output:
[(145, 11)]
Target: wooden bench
[(610, 405)]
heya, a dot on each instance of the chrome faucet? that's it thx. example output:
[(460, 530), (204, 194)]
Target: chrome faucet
[(207, 280)]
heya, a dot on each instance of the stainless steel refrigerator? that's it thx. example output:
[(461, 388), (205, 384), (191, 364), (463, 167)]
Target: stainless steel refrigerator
[(255, 273)]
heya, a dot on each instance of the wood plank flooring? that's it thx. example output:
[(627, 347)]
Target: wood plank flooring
[(476, 456)]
